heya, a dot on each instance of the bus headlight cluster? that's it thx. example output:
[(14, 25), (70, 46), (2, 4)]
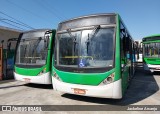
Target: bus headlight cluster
[(42, 72), (56, 76), (108, 80)]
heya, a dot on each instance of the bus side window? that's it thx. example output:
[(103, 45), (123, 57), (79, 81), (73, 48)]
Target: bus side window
[(128, 47), (123, 43)]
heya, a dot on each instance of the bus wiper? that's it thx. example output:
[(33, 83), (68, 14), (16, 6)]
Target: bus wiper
[(88, 43), (74, 46), (94, 32), (35, 46), (74, 40), (25, 52)]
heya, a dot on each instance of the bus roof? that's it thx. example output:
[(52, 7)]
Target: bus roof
[(37, 30), (91, 15), (151, 38), (34, 33), (88, 20), (155, 35)]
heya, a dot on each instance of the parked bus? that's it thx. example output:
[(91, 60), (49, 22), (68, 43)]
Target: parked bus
[(33, 56), (151, 53), (92, 56), (7, 58)]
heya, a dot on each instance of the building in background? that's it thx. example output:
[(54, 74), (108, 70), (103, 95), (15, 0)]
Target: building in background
[(8, 40)]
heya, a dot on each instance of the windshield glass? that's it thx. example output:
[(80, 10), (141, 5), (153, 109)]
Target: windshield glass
[(152, 50), (31, 51), (86, 48), (68, 48)]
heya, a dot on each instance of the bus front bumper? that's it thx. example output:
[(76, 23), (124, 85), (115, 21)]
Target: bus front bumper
[(112, 90), (42, 79)]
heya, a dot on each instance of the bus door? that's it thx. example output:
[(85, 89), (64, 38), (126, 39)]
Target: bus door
[(131, 58), (125, 61)]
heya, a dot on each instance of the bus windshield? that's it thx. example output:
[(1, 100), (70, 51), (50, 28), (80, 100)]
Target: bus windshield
[(152, 49), (86, 48), (31, 51)]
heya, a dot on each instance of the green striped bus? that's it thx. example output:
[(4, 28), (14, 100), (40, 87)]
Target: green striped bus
[(34, 55), (151, 53), (93, 56)]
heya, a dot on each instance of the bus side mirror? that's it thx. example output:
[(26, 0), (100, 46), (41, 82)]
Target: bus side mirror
[(9, 46), (46, 41)]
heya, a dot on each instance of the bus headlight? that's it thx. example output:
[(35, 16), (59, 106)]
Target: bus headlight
[(42, 72), (108, 80), (56, 76)]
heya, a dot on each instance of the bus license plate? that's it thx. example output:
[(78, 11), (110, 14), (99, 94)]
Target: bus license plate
[(79, 91), (27, 80)]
